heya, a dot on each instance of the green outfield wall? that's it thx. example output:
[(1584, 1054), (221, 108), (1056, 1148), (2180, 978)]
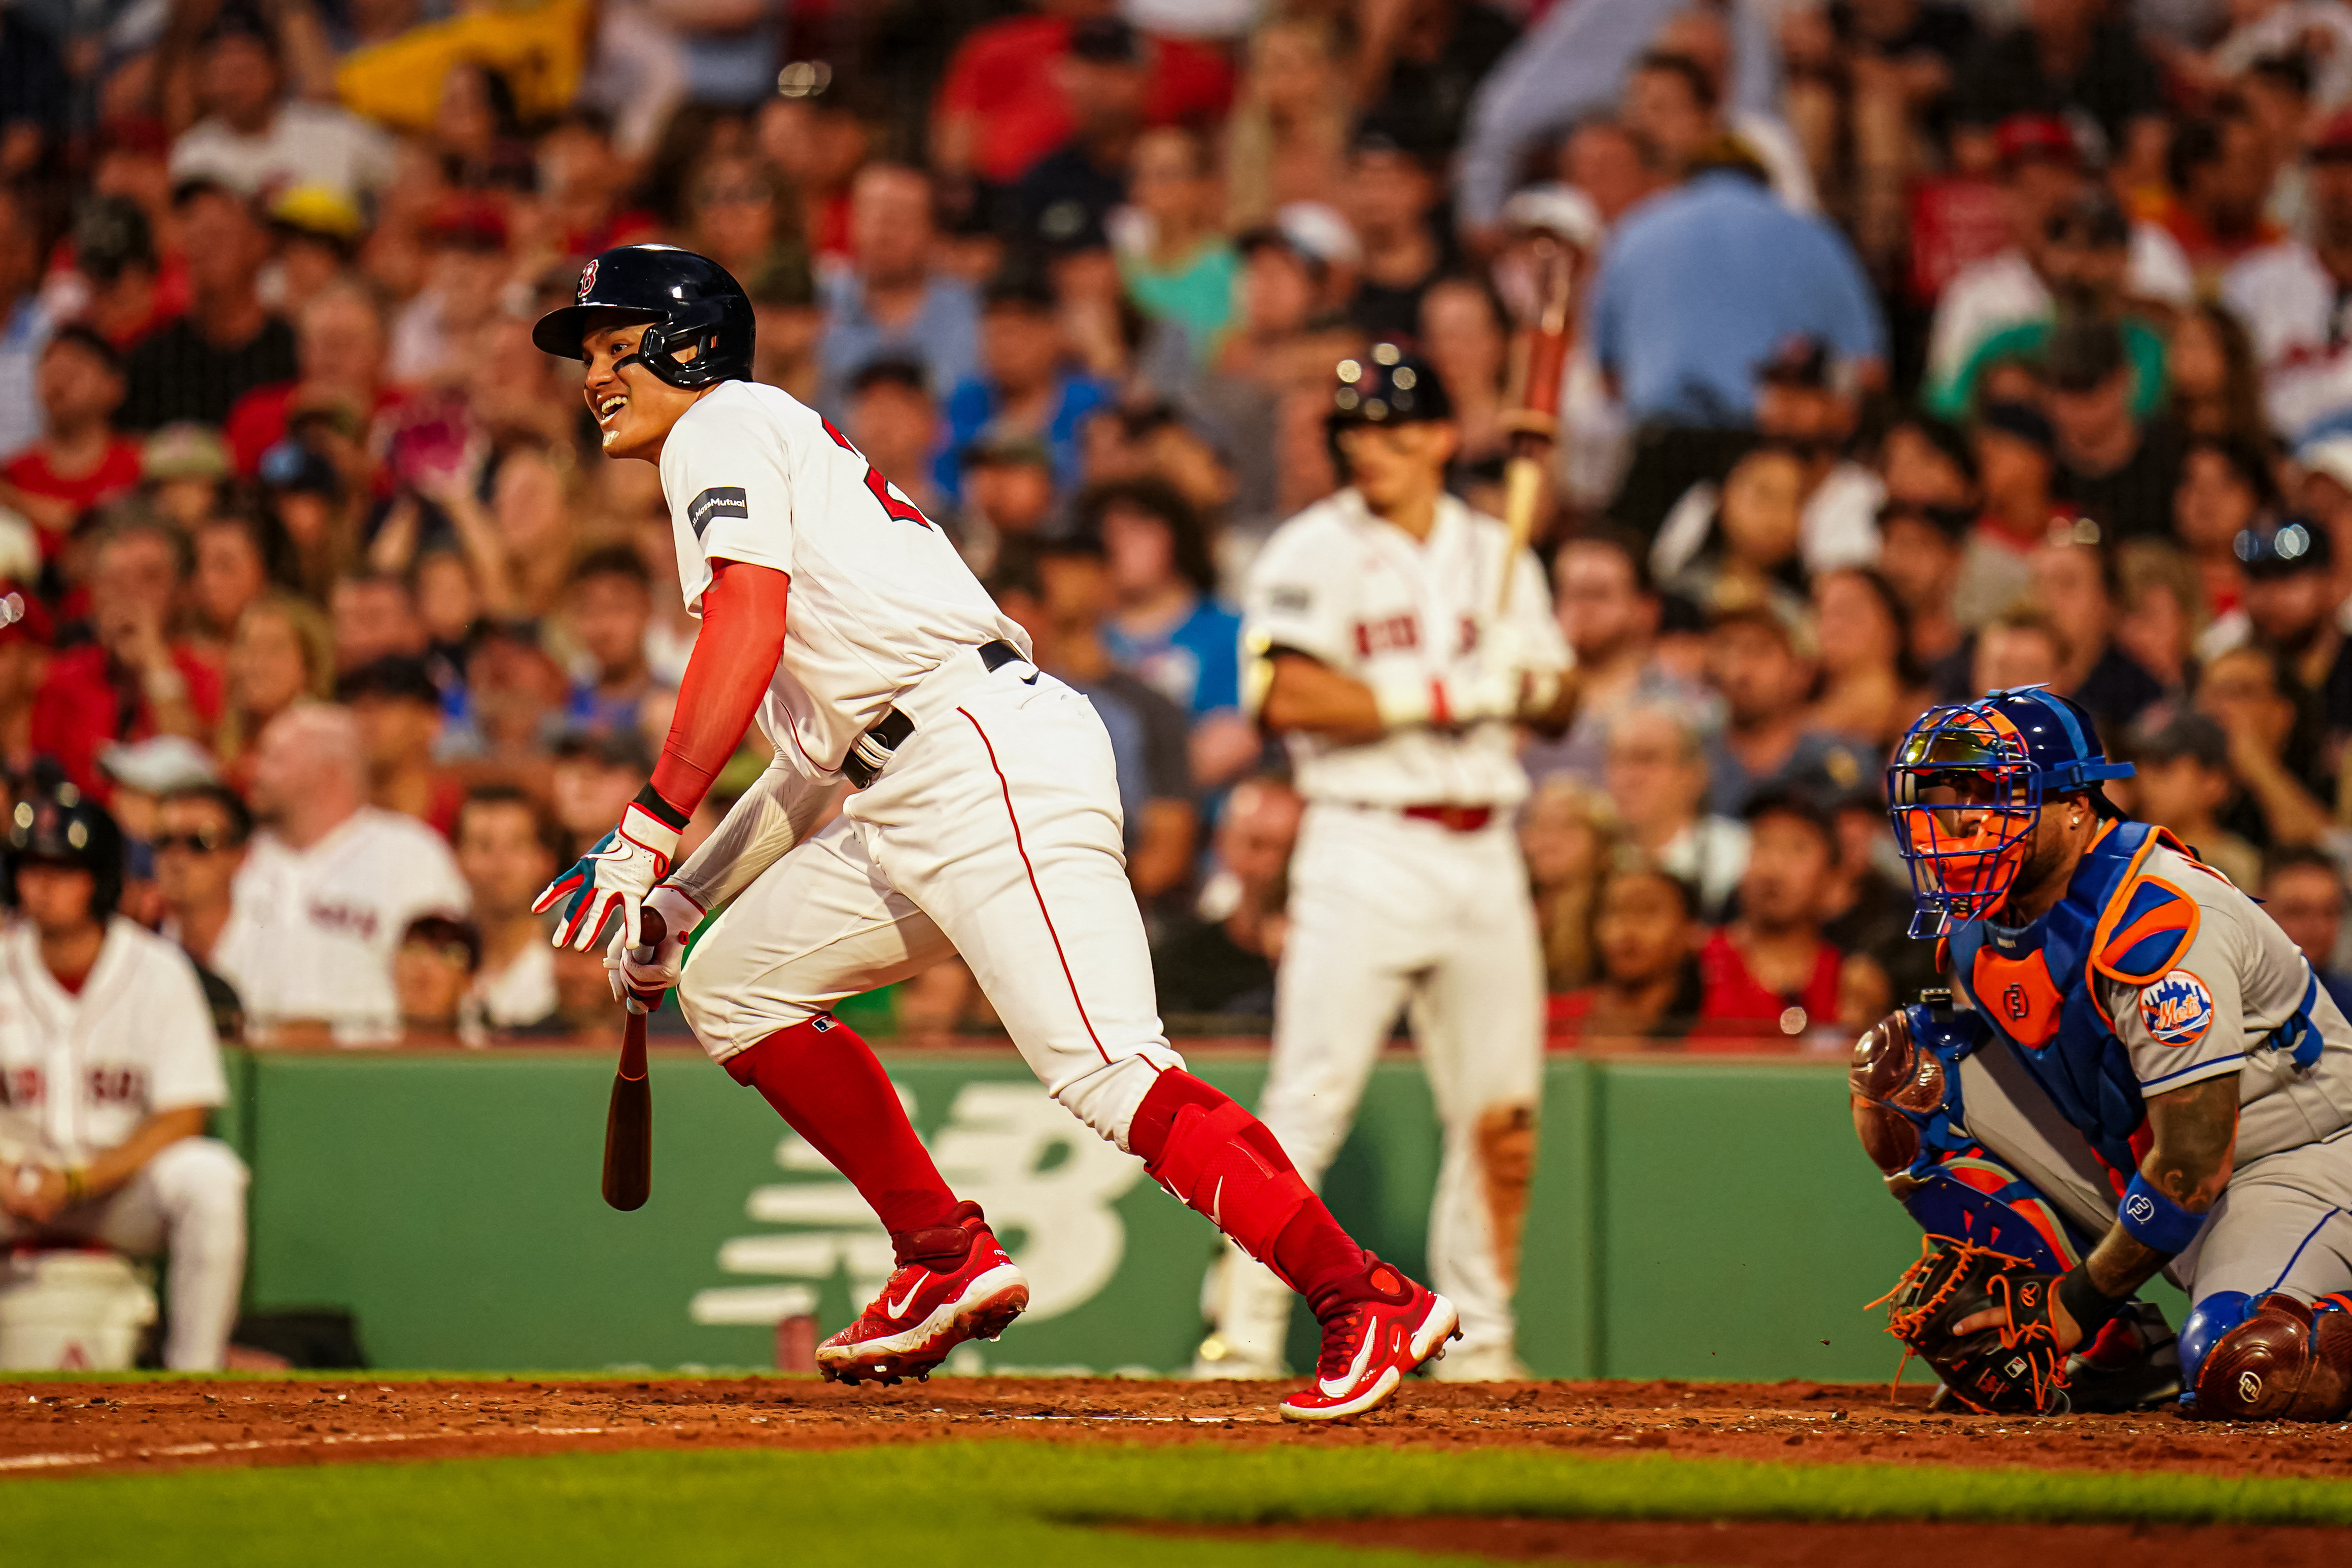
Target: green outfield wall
[(1691, 1216)]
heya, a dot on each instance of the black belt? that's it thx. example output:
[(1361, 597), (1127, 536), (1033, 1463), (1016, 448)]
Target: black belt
[(870, 752)]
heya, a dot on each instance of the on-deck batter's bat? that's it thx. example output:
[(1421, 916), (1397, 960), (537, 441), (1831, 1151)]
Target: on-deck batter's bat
[(629, 1117), (1539, 410)]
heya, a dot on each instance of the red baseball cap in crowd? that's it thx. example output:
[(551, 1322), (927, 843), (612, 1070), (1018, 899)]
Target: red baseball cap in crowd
[(2036, 139), (468, 223)]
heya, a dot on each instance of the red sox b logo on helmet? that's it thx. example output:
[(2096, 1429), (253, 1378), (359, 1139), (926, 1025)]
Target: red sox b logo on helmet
[(587, 279)]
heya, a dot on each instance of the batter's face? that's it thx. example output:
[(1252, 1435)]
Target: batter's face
[(55, 898), (1393, 466), (634, 407)]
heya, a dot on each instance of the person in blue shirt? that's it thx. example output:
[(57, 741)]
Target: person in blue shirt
[(1025, 379), (1168, 627), (1701, 285), (891, 300)]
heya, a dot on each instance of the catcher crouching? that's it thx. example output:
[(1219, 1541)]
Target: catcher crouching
[(2137, 1072)]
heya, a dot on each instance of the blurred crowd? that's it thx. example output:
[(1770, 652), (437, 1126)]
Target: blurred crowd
[(1918, 348)]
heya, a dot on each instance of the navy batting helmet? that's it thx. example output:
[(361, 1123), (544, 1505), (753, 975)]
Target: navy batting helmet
[(1966, 784), (689, 301), (66, 828), (1385, 385)]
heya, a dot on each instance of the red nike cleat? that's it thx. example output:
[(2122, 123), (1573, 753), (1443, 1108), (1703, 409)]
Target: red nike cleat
[(1370, 1342), (922, 1314)]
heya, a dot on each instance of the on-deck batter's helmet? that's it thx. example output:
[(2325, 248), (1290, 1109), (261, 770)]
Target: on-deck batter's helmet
[(66, 828), (690, 300), (1385, 385), (1966, 784)]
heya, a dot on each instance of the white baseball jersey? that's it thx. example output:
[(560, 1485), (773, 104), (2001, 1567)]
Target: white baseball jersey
[(312, 932), (80, 1071), (880, 596), (1362, 595)]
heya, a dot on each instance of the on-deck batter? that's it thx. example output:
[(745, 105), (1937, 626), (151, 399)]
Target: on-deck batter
[(108, 1068), (1380, 656), (985, 822)]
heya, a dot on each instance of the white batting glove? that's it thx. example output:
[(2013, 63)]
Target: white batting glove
[(613, 878), (1510, 660), (640, 975)]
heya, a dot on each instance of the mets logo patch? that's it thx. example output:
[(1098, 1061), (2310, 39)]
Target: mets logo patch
[(587, 277), (2177, 1009)]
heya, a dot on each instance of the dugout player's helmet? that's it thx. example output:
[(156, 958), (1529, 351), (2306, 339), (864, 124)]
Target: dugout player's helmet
[(1966, 784), (1384, 385), (65, 827), (690, 301)]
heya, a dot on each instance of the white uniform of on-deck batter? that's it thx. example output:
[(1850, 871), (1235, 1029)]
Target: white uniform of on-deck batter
[(78, 1073), (1391, 911), (312, 932), (993, 831)]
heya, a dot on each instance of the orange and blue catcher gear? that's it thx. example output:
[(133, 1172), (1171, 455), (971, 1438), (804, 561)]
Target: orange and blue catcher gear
[(1967, 782)]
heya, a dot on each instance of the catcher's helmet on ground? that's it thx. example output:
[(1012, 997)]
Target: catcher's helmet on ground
[(1966, 784), (690, 301), (66, 828)]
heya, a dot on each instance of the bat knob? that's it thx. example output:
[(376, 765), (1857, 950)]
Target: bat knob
[(652, 929)]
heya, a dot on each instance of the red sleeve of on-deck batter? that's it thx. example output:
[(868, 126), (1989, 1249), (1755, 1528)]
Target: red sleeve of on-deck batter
[(734, 658)]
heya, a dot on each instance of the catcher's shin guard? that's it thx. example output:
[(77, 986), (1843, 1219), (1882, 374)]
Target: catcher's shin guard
[(2269, 1358)]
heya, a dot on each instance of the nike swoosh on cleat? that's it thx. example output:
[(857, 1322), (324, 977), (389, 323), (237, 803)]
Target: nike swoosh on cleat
[(1217, 1205), (899, 1308)]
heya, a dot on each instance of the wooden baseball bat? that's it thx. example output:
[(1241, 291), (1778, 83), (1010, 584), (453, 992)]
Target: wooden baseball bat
[(1545, 355), (629, 1116)]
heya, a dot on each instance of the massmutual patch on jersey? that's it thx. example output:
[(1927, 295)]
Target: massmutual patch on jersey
[(718, 501), (2177, 1009)]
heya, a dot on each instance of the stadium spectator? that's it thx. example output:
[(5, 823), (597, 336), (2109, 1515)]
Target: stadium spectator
[(2291, 294), (328, 888), (595, 778), (1567, 831), (376, 618), (1220, 959), (2064, 57), (2303, 890), (79, 462), (134, 678), (339, 350), (2224, 489), (1771, 971), (228, 343), (1008, 495), (2181, 780), (1104, 80), (201, 832), (2114, 468), (509, 848), (2273, 746), (2290, 601), (283, 653), (1027, 383), (1466, 337), (2220, 168), (1062, 595), (1647, 933), (2075, 580), (116, 261), (432, 969), (1168, 627), (2016, 464), (432, 337), (1761, 661), (610, 606), (1656, 775), (1391, 200), (893, 420), (1287, 139), (1182, 274), (1921, 554), (1869, 687), (2159, 612), (2217, 387), (26, 321), (400, 718), (514, 702), (891, 300), (1609, 611), (258, 137)]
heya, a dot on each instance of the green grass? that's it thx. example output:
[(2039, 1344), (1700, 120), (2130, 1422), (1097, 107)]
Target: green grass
[(1037, 1505)]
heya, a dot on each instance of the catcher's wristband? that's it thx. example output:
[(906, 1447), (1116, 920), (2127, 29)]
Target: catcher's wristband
[(2091, 1308), (2154, 1220)]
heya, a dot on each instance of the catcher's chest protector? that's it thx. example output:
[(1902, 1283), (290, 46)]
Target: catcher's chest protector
[(2033, 984)]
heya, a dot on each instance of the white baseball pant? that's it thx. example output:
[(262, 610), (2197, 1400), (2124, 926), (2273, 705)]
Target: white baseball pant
[(187, 1203), (1391, 912), (994, 833)]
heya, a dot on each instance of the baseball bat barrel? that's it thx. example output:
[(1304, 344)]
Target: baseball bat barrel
[(629, 1115), (1546, 358)]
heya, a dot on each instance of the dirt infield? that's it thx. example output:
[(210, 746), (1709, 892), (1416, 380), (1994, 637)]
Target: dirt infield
[(52, 1428)]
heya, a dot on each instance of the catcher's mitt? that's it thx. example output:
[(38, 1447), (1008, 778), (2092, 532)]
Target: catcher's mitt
[(2016, 1369)]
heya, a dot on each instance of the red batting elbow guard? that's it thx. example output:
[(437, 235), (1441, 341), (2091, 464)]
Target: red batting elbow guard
[(1219, 1160), (734, 659)]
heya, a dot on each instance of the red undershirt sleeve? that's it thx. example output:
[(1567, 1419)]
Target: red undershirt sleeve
[(734, 659)]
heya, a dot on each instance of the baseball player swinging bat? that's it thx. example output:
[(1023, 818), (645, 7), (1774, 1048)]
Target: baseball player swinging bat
[(629, 1116)]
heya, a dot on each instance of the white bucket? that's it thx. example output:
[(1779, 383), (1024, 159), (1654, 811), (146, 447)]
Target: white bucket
[(70, 1310)]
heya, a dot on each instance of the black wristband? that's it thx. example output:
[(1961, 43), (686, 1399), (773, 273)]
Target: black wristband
[(2091, 1308), (660, 809)]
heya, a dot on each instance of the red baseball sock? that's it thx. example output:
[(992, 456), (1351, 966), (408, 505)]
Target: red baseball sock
[(1221, 1161), (825, 1082)]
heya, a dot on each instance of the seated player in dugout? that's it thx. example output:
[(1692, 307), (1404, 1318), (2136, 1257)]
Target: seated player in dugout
[(109, 1070), (984, 821), (2136, 1073), (1396, 637)]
